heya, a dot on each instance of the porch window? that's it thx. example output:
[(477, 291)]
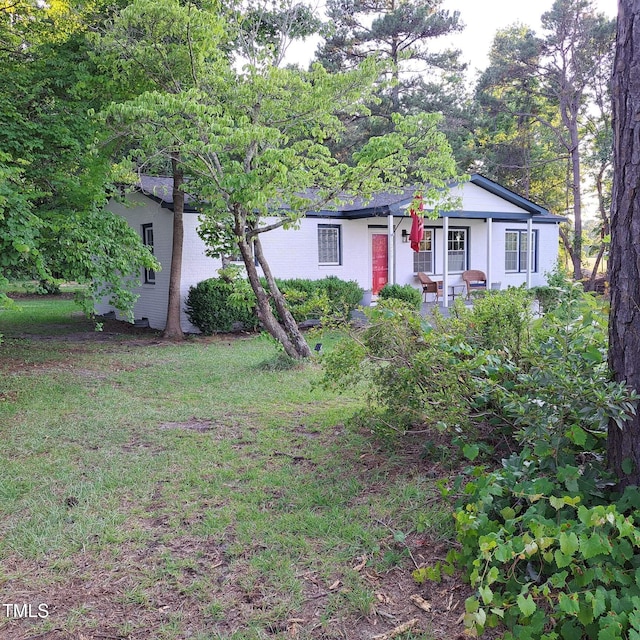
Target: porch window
[(457, 250), (147, 239), (329, 244), (423, 259), (516, 254)]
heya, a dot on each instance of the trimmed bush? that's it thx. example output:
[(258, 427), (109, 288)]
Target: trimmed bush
[(329, 297), (405, 292), (222, 304)]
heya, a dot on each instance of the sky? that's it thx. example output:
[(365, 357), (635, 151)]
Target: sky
[(482, 18)]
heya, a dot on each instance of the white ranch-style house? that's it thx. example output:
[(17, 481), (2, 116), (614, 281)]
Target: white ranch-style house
[(511, 239)]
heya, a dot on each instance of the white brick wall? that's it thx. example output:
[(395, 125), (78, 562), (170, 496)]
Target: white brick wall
[(294, 253), (196, 266)]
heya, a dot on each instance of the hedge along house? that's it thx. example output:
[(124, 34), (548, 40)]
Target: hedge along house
[(513, 240)]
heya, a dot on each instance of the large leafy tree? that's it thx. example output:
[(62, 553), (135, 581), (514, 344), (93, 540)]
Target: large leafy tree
[(162, 48), (254, 145), (170, 49), (418, 77), (551, 81), (51, 220), (624, 322)]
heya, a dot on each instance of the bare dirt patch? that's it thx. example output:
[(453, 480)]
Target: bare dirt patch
[(194, 424)]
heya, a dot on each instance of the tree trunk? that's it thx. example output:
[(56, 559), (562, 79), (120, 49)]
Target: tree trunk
[(287, 321), (624, 265), (590, 285), (577, 203), (569, 109), (172, 328), (606, 228), (265, 313)]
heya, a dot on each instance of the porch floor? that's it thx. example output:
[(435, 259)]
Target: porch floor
[(428, 307)]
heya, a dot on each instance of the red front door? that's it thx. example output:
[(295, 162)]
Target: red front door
[(380, 261)]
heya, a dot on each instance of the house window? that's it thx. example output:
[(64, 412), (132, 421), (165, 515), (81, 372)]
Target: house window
[(147, 239), (423, 259), (457, 250), (329, 244), (516, 254)]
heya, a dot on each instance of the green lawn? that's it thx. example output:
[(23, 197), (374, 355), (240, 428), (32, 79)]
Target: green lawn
[(160, 490)]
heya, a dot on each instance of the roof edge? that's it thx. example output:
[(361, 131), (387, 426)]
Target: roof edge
[(508, 195)]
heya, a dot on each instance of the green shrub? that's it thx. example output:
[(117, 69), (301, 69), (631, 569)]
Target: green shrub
[(501, 320), (559, 397), (417, 374), (549, 555), (49, 287), (551, 551), (328, 298), (560, 288), (405, 292), (218, 304), (414, 375)]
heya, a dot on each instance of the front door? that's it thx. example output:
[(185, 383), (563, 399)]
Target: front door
[(379, 261)]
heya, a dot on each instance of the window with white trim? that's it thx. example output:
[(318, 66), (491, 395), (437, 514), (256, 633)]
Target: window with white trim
[(147, 239), (516, 255), (329, 244), (457, 250), (423, 259)]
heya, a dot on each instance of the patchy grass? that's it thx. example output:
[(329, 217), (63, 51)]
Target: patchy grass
[(160, 490)]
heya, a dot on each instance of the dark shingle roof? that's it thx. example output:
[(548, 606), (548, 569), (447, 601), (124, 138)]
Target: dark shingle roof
[(381, 204)]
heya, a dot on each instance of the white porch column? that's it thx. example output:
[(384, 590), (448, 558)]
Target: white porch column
[(392, 255), (529, 250), (489, 252), (445, 261)]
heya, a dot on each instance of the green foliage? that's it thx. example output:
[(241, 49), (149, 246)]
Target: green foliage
[(539, 95), (551, 551), (415, 375), (406, 293), (559, 289), (423, 375), (535, 534), (19, 226), (500, 320), (560, 399), (220, 304), (330, 298), (53, 181), (549, 556), (401, 35)]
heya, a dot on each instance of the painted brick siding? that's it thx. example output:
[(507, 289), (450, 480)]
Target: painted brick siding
[(196, 266), (294, 253)]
